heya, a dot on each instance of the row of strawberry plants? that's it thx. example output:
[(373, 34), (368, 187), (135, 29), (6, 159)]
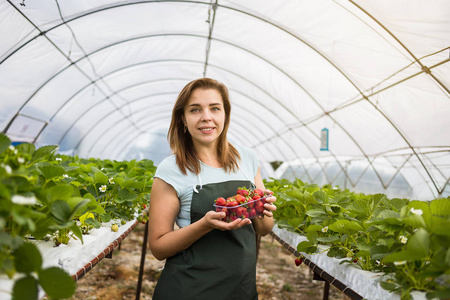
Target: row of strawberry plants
[(47, 196), (405, 241)]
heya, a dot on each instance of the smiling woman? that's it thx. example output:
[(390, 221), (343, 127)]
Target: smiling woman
[(204, 166)]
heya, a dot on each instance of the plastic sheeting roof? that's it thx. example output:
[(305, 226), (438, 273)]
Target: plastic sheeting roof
[(100, 78)]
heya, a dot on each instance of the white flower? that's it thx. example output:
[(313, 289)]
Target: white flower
[(111, 181), (11, 147), (403, 239), (335, 188), (102, 169), (66, 176), (102, 188), (399, 263), (15, 151), (7, 169), (21, 160), (325, 229), (58, 159), (18, 199), (418, 212)]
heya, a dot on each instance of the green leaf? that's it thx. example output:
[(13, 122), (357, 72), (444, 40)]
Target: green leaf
[(306, 247), (50, 172), (313, 227), (27, 258), (77, 231), (315, 213), (346, 226), (61, 211), (419, 244), (389, 286), (414, 221), (25, 288), (126, 195), (93, 222), (4, 142), (321, 197), (26, 148), (100, 178), (312, 237), (57, 283), (42, 152), (60, 192), (328, 239), (440, 207)]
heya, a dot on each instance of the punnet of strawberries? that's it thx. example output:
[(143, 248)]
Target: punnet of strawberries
[(245, 204)]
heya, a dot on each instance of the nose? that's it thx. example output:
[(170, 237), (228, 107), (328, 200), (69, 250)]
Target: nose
[(206, 116)]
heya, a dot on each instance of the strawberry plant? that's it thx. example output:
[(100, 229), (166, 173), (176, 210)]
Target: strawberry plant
[(407, 241), (44, 195)]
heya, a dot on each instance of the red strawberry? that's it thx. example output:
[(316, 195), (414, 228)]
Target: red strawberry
[(259, 206), (256, 197), (242, 191), (240, 211), (252, 213), (232, 203), (298, 261), (259, 192), (221, 201), (240, 199)]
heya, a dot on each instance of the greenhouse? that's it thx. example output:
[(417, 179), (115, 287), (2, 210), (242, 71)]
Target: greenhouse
[(331, 95)]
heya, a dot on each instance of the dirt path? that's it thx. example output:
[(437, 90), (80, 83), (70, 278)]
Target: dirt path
[(278, 278)]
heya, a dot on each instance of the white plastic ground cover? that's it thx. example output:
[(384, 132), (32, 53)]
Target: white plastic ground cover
[(365, 283), (73, 256), (99, 79)]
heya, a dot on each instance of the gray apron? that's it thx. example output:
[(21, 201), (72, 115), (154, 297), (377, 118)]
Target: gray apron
[(220, 265)]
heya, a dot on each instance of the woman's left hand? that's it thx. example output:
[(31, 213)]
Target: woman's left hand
[(269, 207)]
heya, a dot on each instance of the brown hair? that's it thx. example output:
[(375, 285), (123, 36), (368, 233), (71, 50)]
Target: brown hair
[(181, 142)]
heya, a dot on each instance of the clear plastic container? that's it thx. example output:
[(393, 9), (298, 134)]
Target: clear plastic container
[(247, 210)]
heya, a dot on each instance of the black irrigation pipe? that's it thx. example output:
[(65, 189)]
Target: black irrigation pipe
[(320, 274)]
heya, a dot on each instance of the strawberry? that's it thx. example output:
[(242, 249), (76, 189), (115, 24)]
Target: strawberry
[(232, 203), (221, 201), (252, 213), (256, 197), (241, 211), (259, 206), (298, 261), (243, 191), (259, 192), (240, 199)]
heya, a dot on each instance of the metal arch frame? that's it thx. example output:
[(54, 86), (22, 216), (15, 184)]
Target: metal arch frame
[(239, 47), (285, 30)]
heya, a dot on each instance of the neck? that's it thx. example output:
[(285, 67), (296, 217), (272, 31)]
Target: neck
[(208, 155)]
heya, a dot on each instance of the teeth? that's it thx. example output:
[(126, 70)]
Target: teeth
[(206, 129)]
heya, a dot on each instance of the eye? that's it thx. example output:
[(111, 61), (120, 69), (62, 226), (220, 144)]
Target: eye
[(194, 110), (216, 108)]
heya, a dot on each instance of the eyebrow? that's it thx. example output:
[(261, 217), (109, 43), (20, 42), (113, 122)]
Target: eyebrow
[(212, 104)]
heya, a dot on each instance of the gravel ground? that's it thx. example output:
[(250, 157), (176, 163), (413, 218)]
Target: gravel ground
[(278, 278)]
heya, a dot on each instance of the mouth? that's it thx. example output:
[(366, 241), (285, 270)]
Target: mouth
[(206, 129)]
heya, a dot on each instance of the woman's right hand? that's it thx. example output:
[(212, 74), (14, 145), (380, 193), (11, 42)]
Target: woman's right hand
[(214, 221)]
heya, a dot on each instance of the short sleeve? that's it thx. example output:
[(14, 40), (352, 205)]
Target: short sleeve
[(249, 160), (169, 172)]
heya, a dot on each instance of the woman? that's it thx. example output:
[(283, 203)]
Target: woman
[(207, 258)]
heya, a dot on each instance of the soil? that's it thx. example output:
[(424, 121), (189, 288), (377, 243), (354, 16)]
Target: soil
[(277, 278)]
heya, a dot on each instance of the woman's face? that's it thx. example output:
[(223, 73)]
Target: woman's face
[(204, 116)]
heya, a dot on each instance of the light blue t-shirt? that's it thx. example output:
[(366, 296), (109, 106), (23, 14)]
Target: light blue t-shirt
[(184, 185)]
